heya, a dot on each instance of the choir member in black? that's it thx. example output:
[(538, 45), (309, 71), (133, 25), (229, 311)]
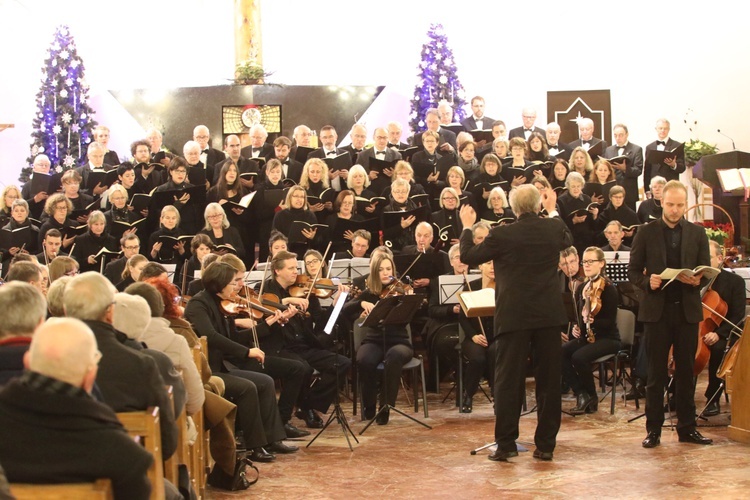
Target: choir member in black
[(129, 245), (498, 208), (402, 234), (446, 220), (10, 194), (297, 209), (89, 244), (144, 162), (358, 182), (118, 200), (264, 213), (133, 184), (296, 341), (29, 244), (101, 135), (221, 233), (580, 162), (132, 271), (200, 246), (71, 183), (489, 177), (402, 170), (40, 166), (557, 148), (159, 154), (314, 181), (456, 180), (56, 211), (614, 234), (731, 289), (475, 347), (345, 209), (501, 148), (518, 153), (167, 252), (559, 173), (358, 135), (360, 243), (395, 339), (602, 174), (651, 209), (582, 226), (191, 215), (95, 155), (276, 243), (254, 393), (258, 147), (670, 168), (229, 188), (427, 161), (619, 211), (467, 161), (595, 333), (290, 168), (537, 148), (244, 166)]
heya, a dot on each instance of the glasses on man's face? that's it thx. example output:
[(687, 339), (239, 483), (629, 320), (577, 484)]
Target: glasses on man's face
[(132, 247), (589, 262)]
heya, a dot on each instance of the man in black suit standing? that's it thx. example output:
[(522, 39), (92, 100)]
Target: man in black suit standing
[(478, 120), (528, 313), (328, 138), (302, 136), (557, 148), (209, 156), (670, 168), (394, 136), (380, 151), (244, 165), (528, 115), (586, 138), (358, 136), (447, 142), (626, 171), (291, 168), (258, 147), (95, 157), (670, 314)]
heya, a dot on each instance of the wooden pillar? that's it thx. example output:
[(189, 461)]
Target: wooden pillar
[(248, 44)]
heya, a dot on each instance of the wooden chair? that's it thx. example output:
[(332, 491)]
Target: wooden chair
[(101, 489), (198, 451), (144, 425)]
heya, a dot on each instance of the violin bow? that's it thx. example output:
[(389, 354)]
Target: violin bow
[(256, 342), (317, 274)]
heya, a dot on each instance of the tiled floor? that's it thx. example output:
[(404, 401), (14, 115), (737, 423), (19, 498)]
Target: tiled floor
[(598, 456)]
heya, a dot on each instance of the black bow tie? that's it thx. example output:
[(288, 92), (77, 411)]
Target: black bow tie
[(527, 130), (392, 145), (554, 146), (586, 143), (380, 152), (205, 151), (661, 143), (256, 150), (331, 153)]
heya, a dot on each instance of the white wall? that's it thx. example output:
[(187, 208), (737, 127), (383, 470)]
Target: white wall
[(657, 58)]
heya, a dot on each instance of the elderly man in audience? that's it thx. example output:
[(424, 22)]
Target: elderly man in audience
[(53, 430), (24, 310)]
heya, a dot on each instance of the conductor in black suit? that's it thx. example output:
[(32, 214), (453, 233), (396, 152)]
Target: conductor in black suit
[(670, 314), (670, 169), (528, 116), (528, 313), (447, 142), (478, 120), (628, 171)]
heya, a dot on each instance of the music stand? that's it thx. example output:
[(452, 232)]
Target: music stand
[(171, 269), (338, 412), (396, 310), (449, 286), (349, 268)]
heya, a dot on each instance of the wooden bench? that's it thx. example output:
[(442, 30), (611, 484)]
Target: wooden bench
[(101, 489), (144, 425)]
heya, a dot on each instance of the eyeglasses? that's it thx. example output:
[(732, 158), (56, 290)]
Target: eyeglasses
[(448, 198), (214, 216), (312, 262), (180, 171), (74, 272), (589, 262), (132, 247)]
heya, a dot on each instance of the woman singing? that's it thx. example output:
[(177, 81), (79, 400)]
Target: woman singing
[(595, 334)]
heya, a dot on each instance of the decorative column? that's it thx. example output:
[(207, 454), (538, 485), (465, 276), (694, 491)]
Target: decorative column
[(248, 43)]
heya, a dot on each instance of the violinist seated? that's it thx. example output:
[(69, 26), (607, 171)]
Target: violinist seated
[(296, 341), (360, 282), (324, 289), (395, 339), (595, 333), (475, 346), (730, 288)]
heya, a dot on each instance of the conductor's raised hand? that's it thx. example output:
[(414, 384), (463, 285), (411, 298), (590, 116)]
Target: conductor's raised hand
[(468, 216), (549, 200)]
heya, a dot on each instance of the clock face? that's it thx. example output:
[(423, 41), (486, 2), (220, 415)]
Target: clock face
[(250, 117)]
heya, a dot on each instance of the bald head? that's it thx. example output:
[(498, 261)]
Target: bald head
[(64, 349)]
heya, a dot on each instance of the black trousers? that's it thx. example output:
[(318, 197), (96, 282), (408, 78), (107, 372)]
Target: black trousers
[(671, 330), (369, 357), (714, 382), (512, 351), (257, 414), (577, 356), (323, 391), (293, 375), (479, 362)]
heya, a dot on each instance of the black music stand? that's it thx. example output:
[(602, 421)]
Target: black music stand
[(396, 310)]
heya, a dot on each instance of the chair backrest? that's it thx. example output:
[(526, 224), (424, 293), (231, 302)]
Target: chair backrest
[(101, 489), (626, 326), (144, 425)]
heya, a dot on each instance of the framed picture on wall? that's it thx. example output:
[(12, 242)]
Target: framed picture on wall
[(239, 119)]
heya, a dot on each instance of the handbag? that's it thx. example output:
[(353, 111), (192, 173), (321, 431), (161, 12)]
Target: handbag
[(237, 482)]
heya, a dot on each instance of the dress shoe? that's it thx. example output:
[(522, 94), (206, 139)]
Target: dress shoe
[(652, 440), (695, 437), (583, 402), (542, 455), (383, 417), (312, 420), (712, 409), (637, 391), (593, 405), (261, 455), (466, 405), (292, 432), (368, 412), (501, 455), (281, 448)]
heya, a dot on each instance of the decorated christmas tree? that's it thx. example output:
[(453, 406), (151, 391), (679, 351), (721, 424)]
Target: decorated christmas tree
[(63, 124), (437, 80)]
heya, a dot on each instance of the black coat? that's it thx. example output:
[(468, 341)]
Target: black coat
[(88, 244)]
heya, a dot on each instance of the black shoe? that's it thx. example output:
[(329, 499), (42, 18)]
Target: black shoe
[(368, 412), (638, 391), (383, 417), (583, 402), (281, 448), (593, 405), (695, 437), (312, 420), (261, 455), (542, 455), (466, 405), (712, 409), (652, 440), (501, 455), (293, 433)]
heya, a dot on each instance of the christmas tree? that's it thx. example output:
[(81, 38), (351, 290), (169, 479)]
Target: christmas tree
[(437, 80), (63, 124)]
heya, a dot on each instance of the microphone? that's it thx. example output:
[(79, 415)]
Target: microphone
[(725, 135)]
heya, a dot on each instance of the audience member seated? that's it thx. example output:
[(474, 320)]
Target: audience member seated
[(25, 309)]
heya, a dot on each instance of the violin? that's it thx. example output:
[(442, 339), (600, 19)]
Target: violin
[(323, 288), (396, 287), (594, 295)]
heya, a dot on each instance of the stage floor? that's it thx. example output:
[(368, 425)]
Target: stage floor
[(597, 456)]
